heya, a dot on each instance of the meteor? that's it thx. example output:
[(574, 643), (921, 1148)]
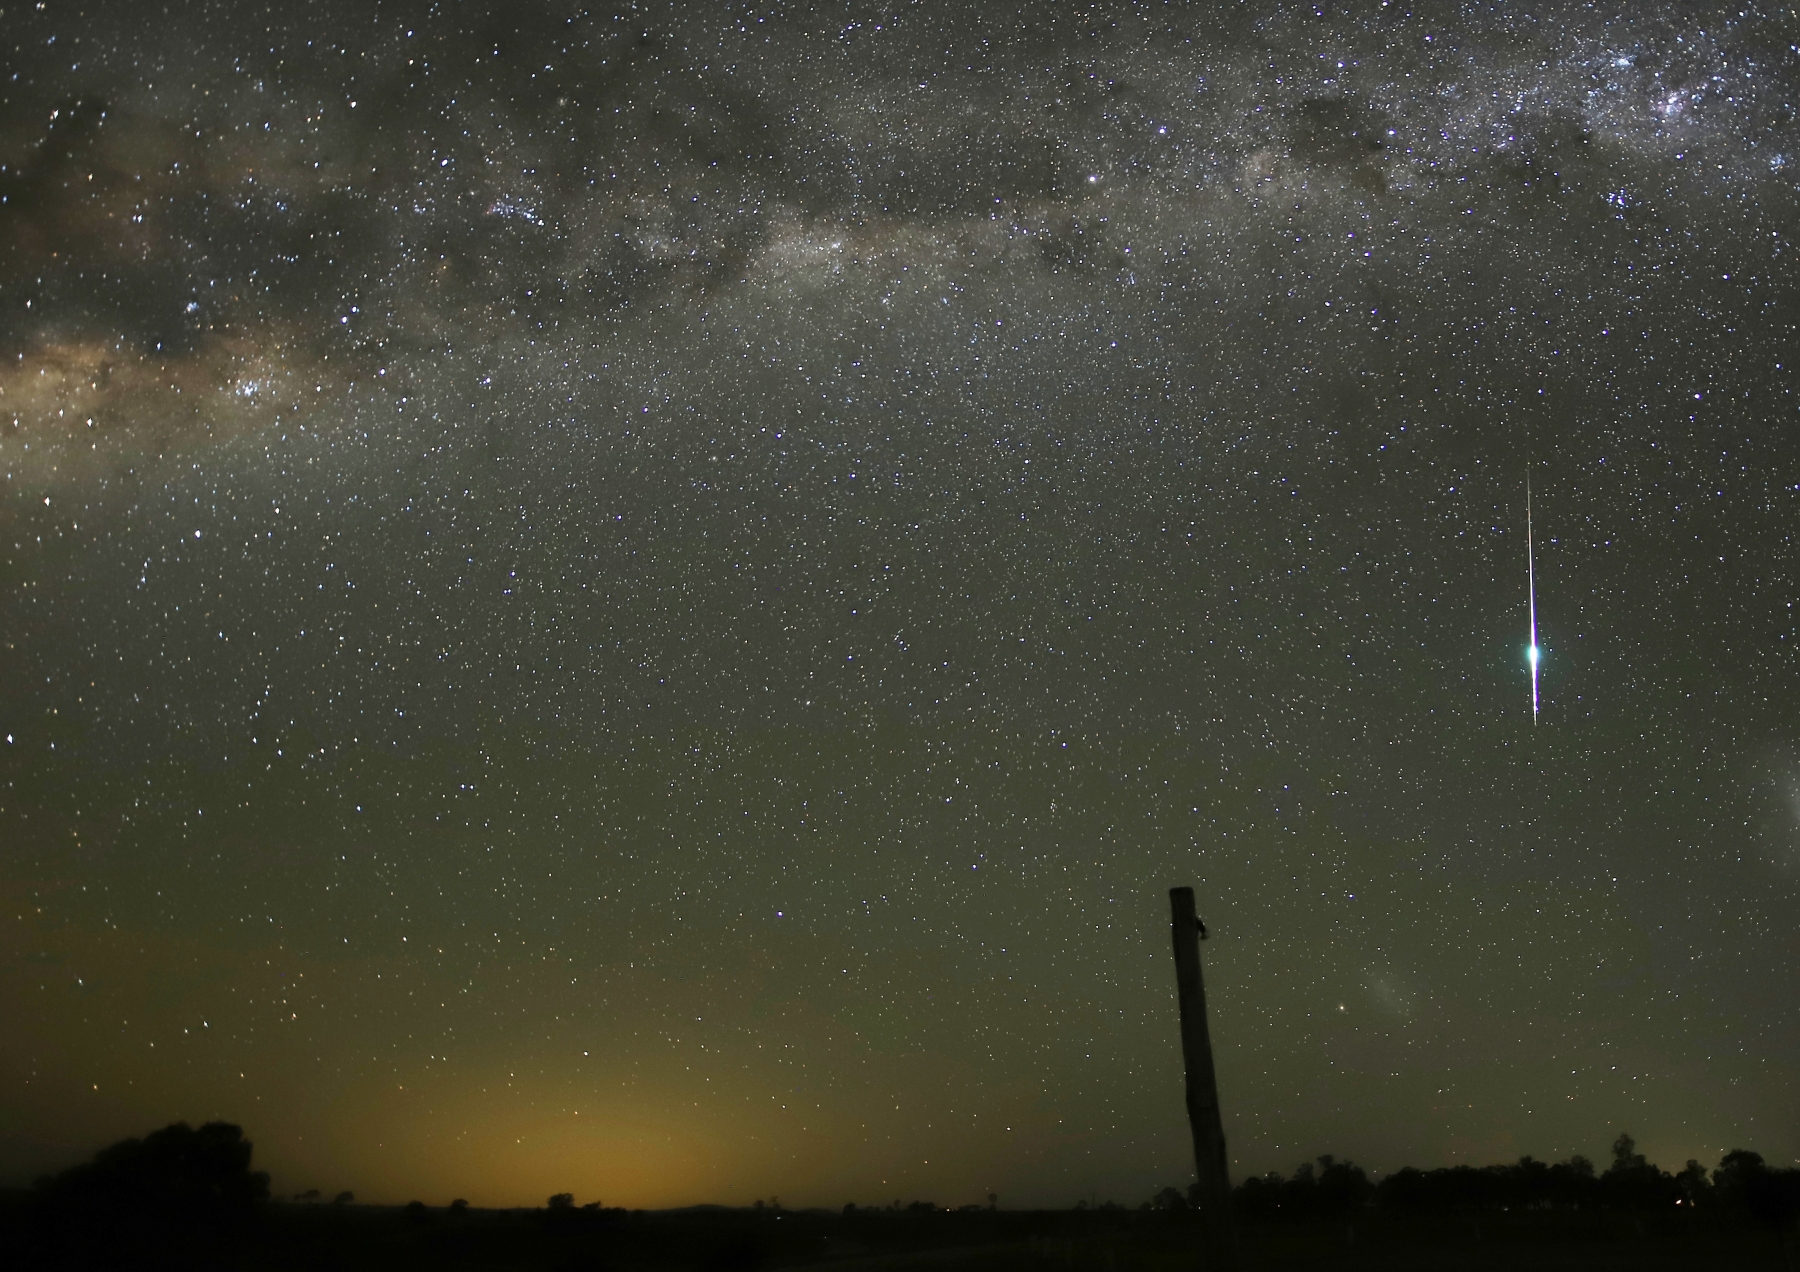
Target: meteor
[(1531, 653)]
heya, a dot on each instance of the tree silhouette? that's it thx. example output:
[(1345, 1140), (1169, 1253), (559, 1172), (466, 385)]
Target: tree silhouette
[(1745, 1183), (1168, 1199), (177, 1170), (1342, 1186), (164, 1195), (1696, 1188), (1632, 1183)]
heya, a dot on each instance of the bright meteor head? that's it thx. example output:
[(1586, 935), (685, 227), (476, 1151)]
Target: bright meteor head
[(1532, 654)]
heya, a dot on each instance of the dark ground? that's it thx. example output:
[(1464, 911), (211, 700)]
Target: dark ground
[(289, 1236)]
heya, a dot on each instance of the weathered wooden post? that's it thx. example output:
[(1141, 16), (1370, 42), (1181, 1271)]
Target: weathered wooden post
[(1218, 1251)]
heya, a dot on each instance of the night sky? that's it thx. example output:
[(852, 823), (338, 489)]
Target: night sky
[(647, 600)]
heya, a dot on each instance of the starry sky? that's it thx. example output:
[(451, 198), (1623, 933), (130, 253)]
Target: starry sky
[(647, 599)]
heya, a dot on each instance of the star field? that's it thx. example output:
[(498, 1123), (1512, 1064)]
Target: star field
[(647, 599)]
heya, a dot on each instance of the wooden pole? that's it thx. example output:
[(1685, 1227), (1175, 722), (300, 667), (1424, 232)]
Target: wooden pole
[(1202, 1088)]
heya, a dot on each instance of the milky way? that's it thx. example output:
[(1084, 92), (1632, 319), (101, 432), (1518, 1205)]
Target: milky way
[(648, 600)]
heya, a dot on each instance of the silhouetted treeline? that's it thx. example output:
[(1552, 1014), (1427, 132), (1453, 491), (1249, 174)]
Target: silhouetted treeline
[(1742, 1184), (1331, 1189)]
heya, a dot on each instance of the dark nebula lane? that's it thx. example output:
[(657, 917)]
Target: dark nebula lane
[(647, 599)]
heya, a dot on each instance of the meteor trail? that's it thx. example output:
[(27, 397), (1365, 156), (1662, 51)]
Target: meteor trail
[(1531, 593)]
